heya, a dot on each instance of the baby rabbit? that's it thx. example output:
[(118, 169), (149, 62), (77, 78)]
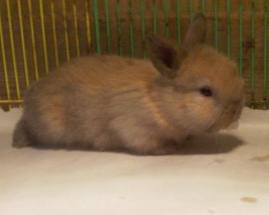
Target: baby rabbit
[(143, 106)]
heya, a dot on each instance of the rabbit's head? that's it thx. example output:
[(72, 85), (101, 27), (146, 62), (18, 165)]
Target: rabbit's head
[(199, 88)]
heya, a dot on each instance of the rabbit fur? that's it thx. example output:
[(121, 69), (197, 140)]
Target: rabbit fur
[(143, 106)]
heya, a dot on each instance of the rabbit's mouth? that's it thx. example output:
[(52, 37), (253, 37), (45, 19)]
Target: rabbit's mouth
[(218, 126), (228, 118), (214, 128)]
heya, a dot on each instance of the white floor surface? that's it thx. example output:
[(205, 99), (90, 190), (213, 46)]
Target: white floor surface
[(227, 174)]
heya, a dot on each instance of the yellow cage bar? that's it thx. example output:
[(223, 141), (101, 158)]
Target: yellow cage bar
[(39, 35)]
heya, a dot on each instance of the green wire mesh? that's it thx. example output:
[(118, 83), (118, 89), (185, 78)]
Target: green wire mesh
[(37, 36)]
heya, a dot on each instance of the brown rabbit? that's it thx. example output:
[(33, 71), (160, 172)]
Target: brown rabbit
[(146, 107)]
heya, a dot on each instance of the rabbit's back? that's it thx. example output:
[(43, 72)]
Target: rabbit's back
[(77, 101)]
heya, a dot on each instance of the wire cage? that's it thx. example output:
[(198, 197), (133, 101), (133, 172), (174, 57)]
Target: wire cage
[(39, 35)]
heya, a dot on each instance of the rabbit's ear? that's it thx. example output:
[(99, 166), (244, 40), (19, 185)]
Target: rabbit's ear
[(165, 56), (196, 33)]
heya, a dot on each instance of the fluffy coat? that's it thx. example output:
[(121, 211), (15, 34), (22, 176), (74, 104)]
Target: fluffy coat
[(144, 106)]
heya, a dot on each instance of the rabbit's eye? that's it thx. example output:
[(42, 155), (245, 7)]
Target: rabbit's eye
[(206, 91)]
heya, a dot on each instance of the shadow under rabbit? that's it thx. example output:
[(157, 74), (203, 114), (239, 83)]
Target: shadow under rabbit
[(210, 144), (201, 144)]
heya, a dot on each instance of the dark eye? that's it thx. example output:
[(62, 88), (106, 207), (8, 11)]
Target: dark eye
[(206, 91)]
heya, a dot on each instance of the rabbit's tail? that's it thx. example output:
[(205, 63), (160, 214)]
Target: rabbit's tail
[(20, 135)]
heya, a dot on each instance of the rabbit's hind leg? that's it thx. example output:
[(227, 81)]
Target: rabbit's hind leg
[(21, 136)]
